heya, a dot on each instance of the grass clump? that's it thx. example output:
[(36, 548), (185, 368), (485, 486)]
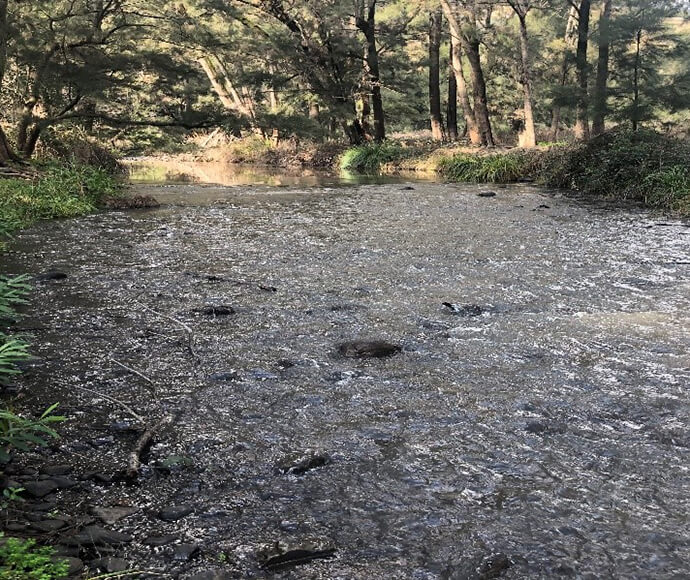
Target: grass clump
[(58, 192), (370, 158), (497, 168), (641, 166)]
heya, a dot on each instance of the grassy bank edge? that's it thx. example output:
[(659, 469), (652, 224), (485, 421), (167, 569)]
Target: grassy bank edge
[(643, 166), (50, 192)]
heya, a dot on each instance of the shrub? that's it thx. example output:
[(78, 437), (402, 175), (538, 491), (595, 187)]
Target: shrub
[(371, 157), (23, 560)]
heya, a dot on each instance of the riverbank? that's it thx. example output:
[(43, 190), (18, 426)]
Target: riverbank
[(643, 167)]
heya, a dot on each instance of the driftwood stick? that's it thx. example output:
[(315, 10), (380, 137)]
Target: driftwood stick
[(131, 370), (185, 327), (112, 400), (142, 443)]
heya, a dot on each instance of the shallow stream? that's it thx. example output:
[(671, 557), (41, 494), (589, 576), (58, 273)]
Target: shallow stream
[(544, 434)]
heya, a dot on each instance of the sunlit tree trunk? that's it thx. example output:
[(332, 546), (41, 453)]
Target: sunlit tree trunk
[(481, 107), (435, 21), (636, 81), (582, 104), (600, 91), (463, 95), (565, 67), (527, 137)]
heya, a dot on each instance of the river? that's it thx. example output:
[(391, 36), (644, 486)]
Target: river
[(536, 428)]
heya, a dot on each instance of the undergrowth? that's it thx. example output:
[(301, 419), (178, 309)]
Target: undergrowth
[(59, 192), (24, 560), (372, 157), (498, 168)]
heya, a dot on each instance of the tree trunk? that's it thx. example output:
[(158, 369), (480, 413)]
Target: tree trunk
[(581, 107), (452, 111), (636, 82), (528, 137), (600, 90), (6, 153), (563, 77), (481, 109), (368, 27), (456, 48), (435, 21)]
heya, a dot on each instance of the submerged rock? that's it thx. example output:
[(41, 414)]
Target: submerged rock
[(301, 465), (131, 202), (50, 275), (159, 540), (281, 556), (110, 565), (368, 349), (174, 513), (110, 515), (464, 309), (96, 536), (185, 552), (486, 194), (41, 488), (215, 310)]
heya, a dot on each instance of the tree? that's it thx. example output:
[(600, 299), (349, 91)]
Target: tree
[(435, 23), (601, 86), (452, 109), (582, 102), (528, 137), (365, 20)]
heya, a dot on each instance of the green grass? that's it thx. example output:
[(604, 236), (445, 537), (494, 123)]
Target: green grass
[(498, 168), (371, 158), (58, 192), (24, 560)]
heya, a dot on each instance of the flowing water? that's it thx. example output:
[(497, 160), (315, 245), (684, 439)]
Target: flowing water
[(551, 428)]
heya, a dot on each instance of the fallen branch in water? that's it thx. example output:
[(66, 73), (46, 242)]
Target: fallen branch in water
[(112, 400), (185, 327), (133, 371), (141, 444)]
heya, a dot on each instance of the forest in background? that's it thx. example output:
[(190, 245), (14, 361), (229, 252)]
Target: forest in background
[(140, 76)]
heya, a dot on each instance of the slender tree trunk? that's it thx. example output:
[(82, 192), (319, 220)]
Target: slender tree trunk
[(456, 49), (582, 104), (565, 67), (6, 153), (600, 90), (452, 110), (528, 137), (435, 21), (636, 82), (368, 27), (481, 108)]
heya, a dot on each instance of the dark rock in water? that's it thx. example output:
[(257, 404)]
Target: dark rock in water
[(96, 536), (215, 310), (542, 427), (212, 575), (281, 556), (110, 515), (486, 194), (301, 465), (63, 482), (50, 275), (368, 349), (407, 188), (109, 565), (494, 566), (159, 540), (131, 202), (48, 526), (173, 513), (74, 565), (263, 375), (185, 552), (212, 278), (542, 206), (285, 364), (224, 376), (464, 309), (56, 469), (268, 288), (40, 488)]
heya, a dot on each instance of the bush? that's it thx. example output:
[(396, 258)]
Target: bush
[(643, 166), (74, 146), (23, 560), (371, 157)]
